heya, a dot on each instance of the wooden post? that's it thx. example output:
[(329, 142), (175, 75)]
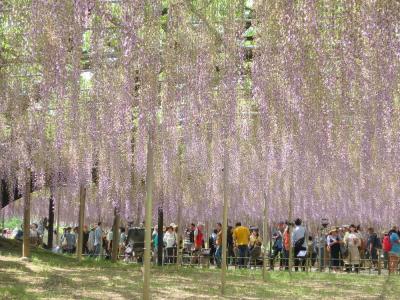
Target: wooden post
[(265, 236), (148, 217), (82, 196), (115, 240), (225, 219)]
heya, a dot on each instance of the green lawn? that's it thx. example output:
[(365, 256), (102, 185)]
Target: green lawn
[(51, 276)]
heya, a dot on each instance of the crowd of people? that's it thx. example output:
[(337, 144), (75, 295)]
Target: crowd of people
[(345, 248)]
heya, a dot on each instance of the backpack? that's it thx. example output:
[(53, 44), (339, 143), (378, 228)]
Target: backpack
[(387, 245), (298, 246), (278, 245)]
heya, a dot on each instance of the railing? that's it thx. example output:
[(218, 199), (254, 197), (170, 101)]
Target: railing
[(311, 263)]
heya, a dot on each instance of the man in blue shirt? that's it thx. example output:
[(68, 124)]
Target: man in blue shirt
[(394, 252)]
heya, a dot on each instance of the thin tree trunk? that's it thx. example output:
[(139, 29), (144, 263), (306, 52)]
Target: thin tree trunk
[(265, 235), (82, 196), (290, 221), (115, 240), (27, 215), (50, 230), (148, 217), (179, 235), (59, 195), (225, 219)]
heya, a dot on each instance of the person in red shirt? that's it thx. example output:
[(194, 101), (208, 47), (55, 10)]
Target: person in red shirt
[(286, 246), (198, 237)]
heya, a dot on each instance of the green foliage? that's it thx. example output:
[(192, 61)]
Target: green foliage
[(12, 223)]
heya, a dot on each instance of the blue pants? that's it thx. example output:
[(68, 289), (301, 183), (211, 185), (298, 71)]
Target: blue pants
[(218, 254), (97, 250), (242, 255)]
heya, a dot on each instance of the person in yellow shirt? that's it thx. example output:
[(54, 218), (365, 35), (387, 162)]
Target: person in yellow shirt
[(241, 237)]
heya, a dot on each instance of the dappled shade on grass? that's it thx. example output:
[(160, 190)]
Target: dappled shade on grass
[(54, 276)]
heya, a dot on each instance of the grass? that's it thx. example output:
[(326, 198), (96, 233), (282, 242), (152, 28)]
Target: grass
[(52, 276)]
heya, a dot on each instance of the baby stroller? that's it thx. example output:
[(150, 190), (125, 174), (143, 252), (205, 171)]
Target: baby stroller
[(134, 244)]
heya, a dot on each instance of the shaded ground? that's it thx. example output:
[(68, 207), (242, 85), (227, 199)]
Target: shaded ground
[(51, 276)]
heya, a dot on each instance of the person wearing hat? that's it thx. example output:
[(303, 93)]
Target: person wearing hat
[(352, 241), (333, 245), (170, 244)]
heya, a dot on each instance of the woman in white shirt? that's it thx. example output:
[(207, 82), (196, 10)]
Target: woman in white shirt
[(170, 244), (352, 241)]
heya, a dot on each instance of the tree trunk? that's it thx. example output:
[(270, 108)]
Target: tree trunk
[(50, 228), (115, 240), (265, 235), (148, 217), (82, 196), (160, 236), (59, 195), (225, 219), (27, 214)]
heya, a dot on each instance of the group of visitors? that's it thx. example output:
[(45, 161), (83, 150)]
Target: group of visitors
[(344, 248), (94, 240)]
